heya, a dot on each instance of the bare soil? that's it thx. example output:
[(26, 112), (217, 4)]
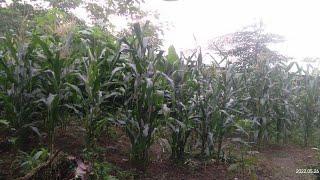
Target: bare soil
[(282, 162), (273, 162)]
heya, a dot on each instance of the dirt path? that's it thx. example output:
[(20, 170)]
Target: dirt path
[(283, 162)]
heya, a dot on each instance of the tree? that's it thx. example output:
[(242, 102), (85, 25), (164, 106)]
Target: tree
[(246, 47), (16, 16), (24, 14), (172, 56)]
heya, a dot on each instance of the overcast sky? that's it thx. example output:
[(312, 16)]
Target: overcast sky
[(297, 21)]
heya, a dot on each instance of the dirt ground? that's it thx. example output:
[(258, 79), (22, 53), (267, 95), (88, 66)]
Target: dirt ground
[(162, 168), (282, 162), (273, 162)]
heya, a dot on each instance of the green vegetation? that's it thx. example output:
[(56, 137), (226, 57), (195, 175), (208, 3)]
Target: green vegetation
[(55, 75)]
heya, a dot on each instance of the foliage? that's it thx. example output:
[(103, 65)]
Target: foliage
[(29, 161), (15, 16), (266, 79), (64, 70), (98, 81), (29, 15), (182, 116), (172, 56), (144, 95), (308, 102), (102, 171)]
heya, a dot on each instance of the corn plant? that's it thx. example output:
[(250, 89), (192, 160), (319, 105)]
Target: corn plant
[(18, 84), (227, 106), (183, 110), (203, 93), (55, 77), (282, 113), (213, 100), (15, 81), (98, 83), (255, 62), (144, 95), (307, 101)]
